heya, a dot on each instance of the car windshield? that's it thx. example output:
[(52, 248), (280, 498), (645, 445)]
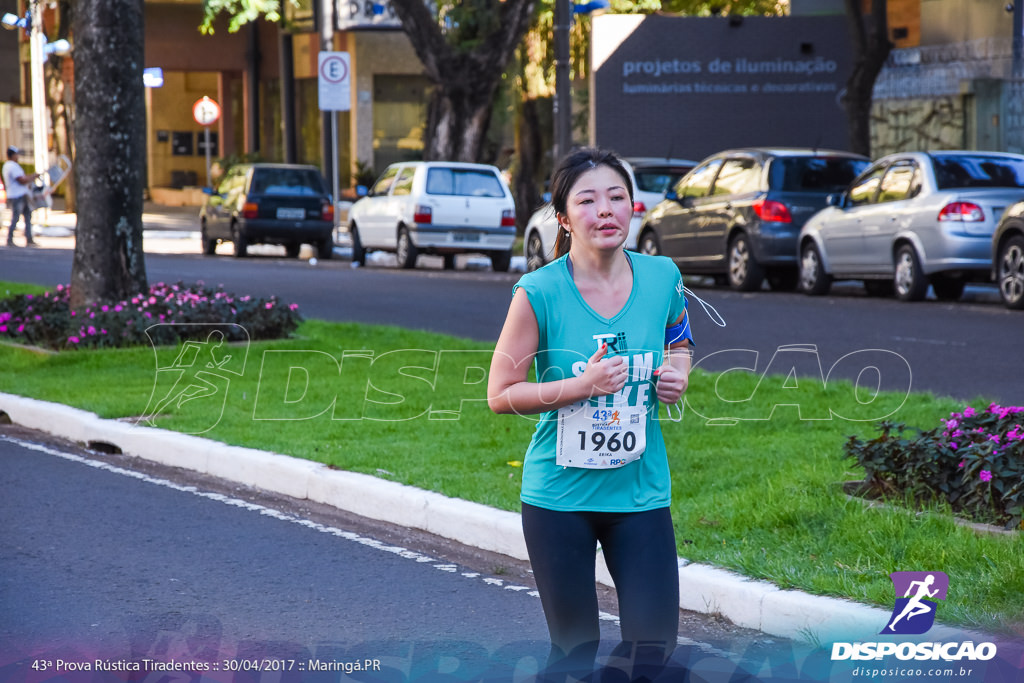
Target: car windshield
[(287, 181), (814, 174), (657, 179), (955, 170), (463, 182)]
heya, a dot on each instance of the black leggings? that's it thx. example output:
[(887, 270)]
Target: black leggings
[(640, 550)]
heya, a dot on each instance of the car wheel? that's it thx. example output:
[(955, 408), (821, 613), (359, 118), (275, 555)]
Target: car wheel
[(648, 244), (783, 280), (745, 273), (358, 252), (405, 249), (909, 282), (501, 261), (878, 288), (209, 244), (948, 289), (449, 261), (240, 242), (534, 252), (292, 249), (325, 249), (813, 278), (1010, 273)]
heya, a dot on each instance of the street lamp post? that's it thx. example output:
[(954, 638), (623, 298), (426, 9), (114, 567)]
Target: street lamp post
[(39, 49), (40, 125)]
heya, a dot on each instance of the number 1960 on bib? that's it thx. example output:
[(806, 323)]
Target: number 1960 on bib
[(600, 438)]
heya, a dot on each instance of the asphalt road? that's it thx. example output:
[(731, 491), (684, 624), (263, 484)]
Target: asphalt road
[(98, 564), (966, 349), (108, 558)]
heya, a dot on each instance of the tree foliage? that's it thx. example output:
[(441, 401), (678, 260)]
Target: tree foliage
[(711, 8), (240, 12)]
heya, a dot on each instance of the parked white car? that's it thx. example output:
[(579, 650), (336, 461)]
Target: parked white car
[(651, 177), (435, 207)]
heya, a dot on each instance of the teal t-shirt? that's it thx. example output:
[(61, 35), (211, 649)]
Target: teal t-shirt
[(570, 333)]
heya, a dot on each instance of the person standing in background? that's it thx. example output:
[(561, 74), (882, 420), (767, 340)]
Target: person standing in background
[(19, 190)]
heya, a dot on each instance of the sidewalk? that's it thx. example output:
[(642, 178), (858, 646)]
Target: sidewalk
[(165, 229)]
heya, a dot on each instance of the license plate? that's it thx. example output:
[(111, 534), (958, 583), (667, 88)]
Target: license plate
[(465, 237), (291, 214)]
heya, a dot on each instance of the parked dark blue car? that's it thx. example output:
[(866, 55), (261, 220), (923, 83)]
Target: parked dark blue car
[(285, 204), (738, 214)]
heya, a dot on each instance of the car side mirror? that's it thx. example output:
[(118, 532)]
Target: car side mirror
[(837, 200), (209, 191), (362, 191), (671, 194)]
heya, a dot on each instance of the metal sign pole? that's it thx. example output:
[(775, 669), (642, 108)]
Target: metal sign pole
[(334, 165), (206, 140)]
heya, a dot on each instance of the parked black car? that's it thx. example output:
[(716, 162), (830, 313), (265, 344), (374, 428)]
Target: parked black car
[(284, 204), (1008, 256), (738, 214)]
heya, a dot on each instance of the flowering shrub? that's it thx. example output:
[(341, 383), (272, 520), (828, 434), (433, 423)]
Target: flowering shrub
[(974, 461), (48, 320)]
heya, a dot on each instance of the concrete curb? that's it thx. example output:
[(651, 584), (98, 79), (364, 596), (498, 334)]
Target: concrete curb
[(745, 602)]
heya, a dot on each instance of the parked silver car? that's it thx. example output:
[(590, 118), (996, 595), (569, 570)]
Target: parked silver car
[(1008, 256), (912, 220)]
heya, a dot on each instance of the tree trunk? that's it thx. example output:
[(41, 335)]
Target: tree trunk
[(110, 125), (529, 165), (457, 121), (871, 47), (466, 76)]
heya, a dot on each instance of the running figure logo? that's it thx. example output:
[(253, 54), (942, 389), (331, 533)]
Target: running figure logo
[(199, 374), (914, 612)]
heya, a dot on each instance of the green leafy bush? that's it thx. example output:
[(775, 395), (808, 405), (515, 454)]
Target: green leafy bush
[(47, 320), (974, 461)]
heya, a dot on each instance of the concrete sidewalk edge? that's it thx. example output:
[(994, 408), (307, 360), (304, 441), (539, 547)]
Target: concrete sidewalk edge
[(747, 603)]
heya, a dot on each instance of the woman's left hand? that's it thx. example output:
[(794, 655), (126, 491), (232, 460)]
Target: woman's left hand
[(671, 383)]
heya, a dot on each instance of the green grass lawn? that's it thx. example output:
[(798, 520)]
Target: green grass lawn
[(760, 496)]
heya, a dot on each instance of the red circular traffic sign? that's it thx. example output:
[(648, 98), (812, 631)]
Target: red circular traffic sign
[(334, 70), (205, 111)]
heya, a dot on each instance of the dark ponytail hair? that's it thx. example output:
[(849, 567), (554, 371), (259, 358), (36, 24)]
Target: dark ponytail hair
[(575, 164)]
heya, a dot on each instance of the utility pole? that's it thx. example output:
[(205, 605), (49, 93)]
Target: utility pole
[(40, 124), (323, 19)]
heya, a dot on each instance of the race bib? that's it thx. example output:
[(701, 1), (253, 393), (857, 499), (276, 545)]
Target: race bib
[(600, 438)]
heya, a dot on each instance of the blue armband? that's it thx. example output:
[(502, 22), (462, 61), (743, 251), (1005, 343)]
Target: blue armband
[(679, 332)]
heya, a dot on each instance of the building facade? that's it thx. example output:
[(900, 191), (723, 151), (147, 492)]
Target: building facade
[(264, 79), (952, 80)]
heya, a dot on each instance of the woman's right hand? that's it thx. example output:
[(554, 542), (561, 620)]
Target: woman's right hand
[(605, 375)]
